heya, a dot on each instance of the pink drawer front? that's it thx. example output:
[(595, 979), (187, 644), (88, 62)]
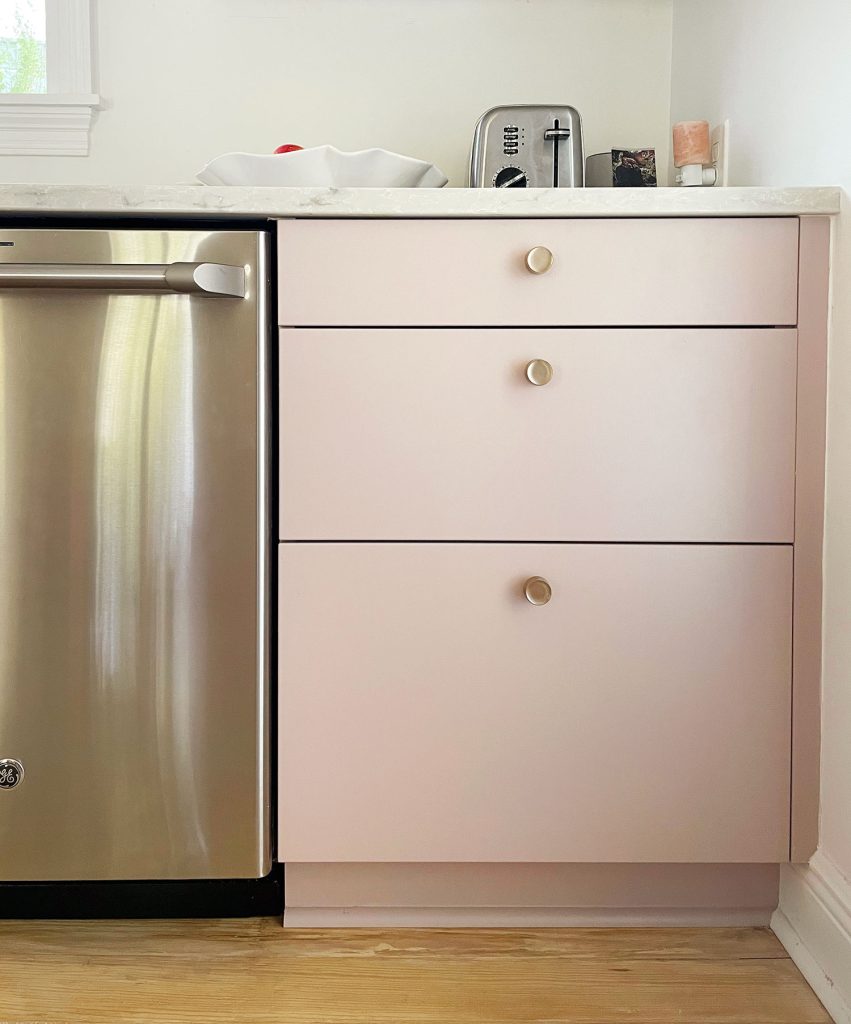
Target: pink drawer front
[(701, 272), (640, 435), (429, 712)]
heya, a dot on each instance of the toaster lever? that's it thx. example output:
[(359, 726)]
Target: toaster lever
[(555, 135)]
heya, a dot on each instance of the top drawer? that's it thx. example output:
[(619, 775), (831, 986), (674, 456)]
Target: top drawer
[(647, 272)]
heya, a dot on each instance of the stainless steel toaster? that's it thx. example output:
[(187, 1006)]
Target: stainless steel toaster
[(528, 146)]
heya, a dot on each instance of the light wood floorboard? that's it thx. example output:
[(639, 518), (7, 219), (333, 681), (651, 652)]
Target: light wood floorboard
[(182, 972)]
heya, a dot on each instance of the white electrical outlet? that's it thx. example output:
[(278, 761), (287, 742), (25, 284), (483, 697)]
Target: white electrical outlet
[(720, 139)]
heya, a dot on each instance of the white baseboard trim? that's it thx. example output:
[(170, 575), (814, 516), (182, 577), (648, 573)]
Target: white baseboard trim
[(523, 917), (813, 922)]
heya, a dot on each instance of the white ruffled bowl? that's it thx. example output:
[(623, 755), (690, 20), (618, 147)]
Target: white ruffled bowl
[(323, 166)]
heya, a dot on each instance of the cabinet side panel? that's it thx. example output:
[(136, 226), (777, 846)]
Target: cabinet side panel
[(809, 532)]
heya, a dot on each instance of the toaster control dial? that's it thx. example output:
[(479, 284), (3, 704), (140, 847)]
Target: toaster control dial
[(510, 177)]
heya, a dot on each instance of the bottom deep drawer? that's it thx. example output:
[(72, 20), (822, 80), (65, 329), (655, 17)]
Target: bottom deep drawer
[(430, 711)]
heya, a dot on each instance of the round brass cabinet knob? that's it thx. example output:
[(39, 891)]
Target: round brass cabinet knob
[(539, 372), (537, 590), (539, 260)]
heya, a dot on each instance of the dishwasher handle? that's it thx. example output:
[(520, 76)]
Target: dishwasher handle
[(187, 278)]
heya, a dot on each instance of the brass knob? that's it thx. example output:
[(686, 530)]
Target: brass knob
[(539, 260), (539, 372), (537, 590)]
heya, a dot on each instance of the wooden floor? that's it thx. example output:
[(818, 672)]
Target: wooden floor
[(252, 971)]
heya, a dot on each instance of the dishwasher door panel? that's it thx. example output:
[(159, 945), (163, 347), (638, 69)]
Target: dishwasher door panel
[(133, 590)]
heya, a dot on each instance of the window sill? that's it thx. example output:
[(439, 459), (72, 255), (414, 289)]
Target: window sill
[(46, 124)]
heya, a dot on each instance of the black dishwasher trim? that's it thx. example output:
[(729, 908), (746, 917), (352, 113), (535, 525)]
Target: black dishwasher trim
[(215, 897)]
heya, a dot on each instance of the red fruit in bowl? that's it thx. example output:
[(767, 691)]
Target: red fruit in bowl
[(288, 149)]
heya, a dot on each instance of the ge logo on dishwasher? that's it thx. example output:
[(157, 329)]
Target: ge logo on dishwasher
[(11, 772)]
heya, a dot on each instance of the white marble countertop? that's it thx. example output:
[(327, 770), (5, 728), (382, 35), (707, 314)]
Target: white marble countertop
[(253, 202)]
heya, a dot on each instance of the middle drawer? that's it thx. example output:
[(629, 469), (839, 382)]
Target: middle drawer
[(572, 434)]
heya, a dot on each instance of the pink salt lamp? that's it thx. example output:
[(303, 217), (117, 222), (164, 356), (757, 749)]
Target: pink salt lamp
[(691, 143)]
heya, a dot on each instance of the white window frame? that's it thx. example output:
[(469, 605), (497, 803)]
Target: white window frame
[(57, 122)]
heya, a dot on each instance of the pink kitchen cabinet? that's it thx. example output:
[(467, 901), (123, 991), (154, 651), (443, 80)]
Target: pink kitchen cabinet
[(429, 712), (437, 434), (637, 434), (618, 272)]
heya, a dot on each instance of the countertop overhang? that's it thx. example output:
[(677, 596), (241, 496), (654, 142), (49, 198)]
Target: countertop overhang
[(266, 202)]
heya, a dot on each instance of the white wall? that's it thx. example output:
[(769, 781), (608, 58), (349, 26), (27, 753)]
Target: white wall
[(780, 70), (185, 80)]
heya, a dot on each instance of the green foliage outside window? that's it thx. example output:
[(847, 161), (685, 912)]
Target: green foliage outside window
[(23, 67)]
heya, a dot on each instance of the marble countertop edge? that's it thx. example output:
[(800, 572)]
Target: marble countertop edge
[(192, 200)]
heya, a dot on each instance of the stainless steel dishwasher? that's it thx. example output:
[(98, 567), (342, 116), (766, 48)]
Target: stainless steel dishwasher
[(134, 668)]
